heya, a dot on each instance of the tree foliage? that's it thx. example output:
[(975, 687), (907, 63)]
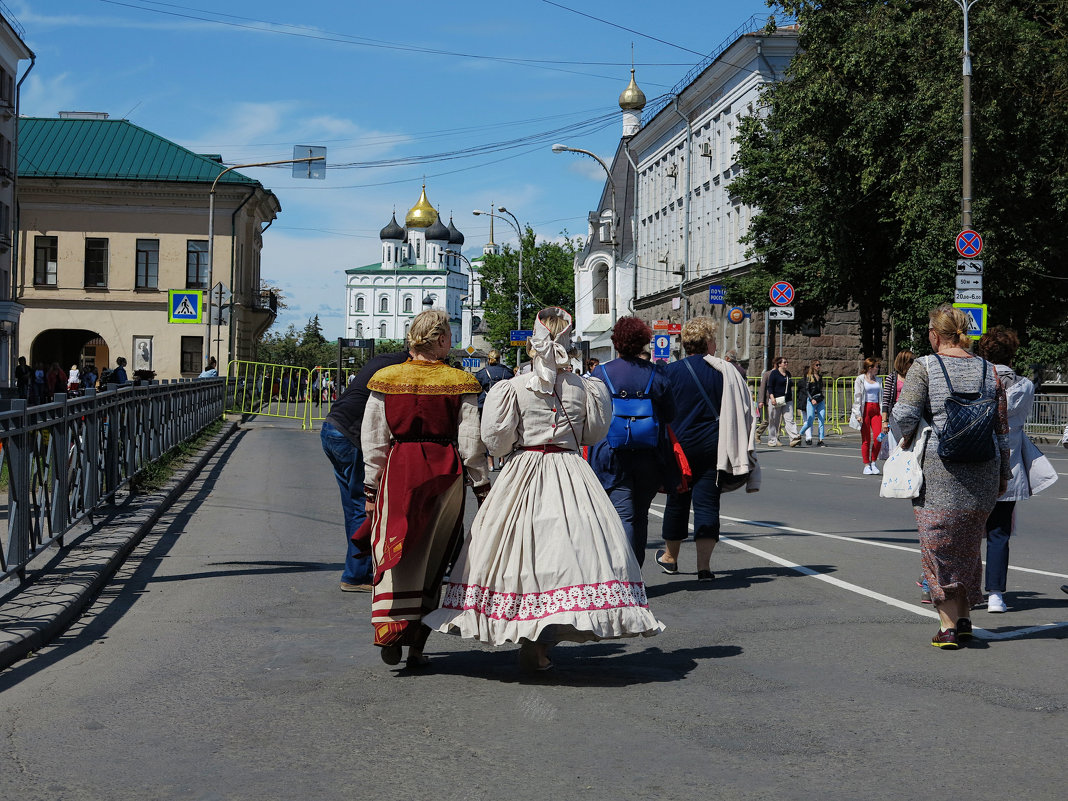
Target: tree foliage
[(855, 164), (548, 280)]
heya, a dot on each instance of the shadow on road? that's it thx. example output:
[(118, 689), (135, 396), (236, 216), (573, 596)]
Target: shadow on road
[(131, 578), (603, 664), (255, 569), (731, 580)]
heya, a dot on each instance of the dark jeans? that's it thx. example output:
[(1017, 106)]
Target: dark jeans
[(704, 495), (347, 461), (631, 498), (998, 531)]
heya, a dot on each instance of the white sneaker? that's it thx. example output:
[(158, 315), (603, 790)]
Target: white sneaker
[(867, 469), (995, 603), (874, 469)]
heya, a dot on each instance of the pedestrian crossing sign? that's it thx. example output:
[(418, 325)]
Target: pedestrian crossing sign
[(185, 306), (976, 313)]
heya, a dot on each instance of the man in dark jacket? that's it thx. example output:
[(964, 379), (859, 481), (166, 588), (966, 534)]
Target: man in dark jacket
[(340, 436), (491, 374)]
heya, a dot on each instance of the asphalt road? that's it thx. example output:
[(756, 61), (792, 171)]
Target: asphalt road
[(223, 663)]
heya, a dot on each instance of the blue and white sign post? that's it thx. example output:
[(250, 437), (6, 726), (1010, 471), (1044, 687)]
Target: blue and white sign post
[(662, 346), (185, 306)]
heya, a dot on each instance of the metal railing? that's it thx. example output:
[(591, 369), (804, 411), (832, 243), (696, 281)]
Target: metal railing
[(1049, 415), (64, 459)]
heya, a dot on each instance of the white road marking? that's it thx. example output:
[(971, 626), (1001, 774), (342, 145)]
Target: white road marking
[(856, 588)]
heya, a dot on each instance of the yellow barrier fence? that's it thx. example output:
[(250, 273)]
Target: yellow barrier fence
[(269, 390)]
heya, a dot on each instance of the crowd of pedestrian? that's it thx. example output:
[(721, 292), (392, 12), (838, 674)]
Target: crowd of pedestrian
[(556, 549), (39, 383)]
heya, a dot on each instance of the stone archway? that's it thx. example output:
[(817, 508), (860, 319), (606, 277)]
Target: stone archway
[(67, 346)]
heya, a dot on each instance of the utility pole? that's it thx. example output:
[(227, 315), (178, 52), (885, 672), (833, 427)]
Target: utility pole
[(966, 180)]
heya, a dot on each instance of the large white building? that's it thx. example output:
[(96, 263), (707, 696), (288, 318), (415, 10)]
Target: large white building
[(422, 267), (679, 229)]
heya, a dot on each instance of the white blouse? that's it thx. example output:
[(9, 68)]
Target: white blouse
[(578, 413)]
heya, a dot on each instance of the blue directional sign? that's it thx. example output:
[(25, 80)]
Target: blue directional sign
[(715, 295), (976, 317), (519, 338), (662, 346), (472, 364), (185, 306)]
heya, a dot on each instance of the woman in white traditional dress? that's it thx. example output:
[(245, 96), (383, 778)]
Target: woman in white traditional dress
[(547, 559)]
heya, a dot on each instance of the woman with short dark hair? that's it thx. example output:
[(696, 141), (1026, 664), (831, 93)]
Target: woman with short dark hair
[(633, 475)]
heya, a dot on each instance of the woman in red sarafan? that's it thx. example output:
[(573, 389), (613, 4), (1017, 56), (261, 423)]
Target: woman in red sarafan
[(420, 438)]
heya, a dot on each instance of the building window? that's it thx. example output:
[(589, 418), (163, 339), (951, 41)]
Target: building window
[(96, 262), (382, 331), (407, 304), (359, 330), (383, 304), (45, 249), (196, 264), (147, 264), (192, 354), (359, 304)]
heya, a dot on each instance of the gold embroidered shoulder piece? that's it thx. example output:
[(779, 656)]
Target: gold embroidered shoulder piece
[(423, 378)]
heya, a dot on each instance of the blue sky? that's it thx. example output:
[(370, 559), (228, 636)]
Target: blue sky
[(415, 85)]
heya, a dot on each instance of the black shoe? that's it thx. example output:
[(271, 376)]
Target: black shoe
[(391, 654), (706, 575), (964, 629), (820, 444), (671, 568)]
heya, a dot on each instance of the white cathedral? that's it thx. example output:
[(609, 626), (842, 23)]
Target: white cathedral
[(422, 268)]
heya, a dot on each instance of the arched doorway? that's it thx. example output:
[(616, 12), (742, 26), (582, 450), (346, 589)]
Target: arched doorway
[(67, 346)]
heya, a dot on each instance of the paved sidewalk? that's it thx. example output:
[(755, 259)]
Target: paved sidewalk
[(58, 589)]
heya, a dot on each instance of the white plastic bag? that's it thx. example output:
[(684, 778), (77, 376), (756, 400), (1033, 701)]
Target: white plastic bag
[(903, 471)]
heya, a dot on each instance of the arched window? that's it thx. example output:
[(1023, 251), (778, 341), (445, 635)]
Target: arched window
[(382, 331), (407, 304), (406, 327), (359, 330), (359, 303), (383, 303)]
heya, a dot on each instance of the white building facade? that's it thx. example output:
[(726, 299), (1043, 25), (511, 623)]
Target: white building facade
[(680, 229), (422, 268)]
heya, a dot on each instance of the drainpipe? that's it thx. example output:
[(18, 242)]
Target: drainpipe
[(16, 224), (233, 270), (686, 206), (633, 230)]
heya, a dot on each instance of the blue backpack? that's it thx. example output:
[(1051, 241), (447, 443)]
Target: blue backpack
[(634, 426)]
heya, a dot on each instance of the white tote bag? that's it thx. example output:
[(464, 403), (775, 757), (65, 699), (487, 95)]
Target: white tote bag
[(903, 471)]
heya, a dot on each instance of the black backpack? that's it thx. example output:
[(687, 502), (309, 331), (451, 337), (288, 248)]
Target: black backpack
[(968, 435)]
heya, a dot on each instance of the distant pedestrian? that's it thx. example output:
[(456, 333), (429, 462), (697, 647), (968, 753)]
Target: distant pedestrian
[(1031, 470), (23, 378), (56, 379), (212, 370), (781, 404), (731, 357), (491, 374), (74, 380), (40, 387), (340, 438), (815, 405), (118, 375), (865, 412)]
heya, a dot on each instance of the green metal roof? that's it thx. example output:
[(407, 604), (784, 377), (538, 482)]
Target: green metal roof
[(110, 149)]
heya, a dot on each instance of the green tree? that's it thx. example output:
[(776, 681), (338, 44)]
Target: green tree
[(548, 280), (856, 165)]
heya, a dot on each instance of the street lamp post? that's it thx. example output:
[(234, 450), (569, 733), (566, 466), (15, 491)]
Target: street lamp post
[(470, 300), (966, 180), (615, 220), (211, 227), (512, 221)]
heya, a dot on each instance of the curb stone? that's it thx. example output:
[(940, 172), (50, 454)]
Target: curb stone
[(36, 611)]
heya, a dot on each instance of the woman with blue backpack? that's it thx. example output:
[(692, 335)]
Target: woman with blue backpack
[(635, 460), (965, 466)]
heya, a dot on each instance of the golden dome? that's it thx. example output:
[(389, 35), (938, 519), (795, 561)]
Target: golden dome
[(422, 214), (632, 98)]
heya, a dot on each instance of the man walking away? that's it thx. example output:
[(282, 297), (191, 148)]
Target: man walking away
[(340, 436)]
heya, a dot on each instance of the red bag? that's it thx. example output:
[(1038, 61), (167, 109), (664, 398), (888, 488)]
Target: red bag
[(686, 475)]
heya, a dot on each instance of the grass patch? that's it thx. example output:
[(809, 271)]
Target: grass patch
[(156, 474)]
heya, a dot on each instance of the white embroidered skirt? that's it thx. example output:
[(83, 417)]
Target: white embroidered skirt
[(546, 560)]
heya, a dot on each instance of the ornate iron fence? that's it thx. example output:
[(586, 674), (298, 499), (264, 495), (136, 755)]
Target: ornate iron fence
[(62, 460)]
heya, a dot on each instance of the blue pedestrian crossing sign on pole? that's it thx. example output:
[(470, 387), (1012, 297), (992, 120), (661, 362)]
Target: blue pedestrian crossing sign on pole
[(976, 313), (185, 306)]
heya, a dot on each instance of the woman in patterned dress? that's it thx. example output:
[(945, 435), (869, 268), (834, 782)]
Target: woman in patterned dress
[(547, 559), (957, 497)]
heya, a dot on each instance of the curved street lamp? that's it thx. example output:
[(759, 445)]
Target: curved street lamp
[(615, 216), (512, 221)]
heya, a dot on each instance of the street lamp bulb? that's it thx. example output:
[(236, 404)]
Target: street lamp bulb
[(560, 148), (476, 212), (502, 208)]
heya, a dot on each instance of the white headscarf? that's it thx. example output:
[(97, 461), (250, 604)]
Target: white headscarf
[(550, 353)]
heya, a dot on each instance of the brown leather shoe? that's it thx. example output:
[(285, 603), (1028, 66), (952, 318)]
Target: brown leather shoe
[(346, 587)]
